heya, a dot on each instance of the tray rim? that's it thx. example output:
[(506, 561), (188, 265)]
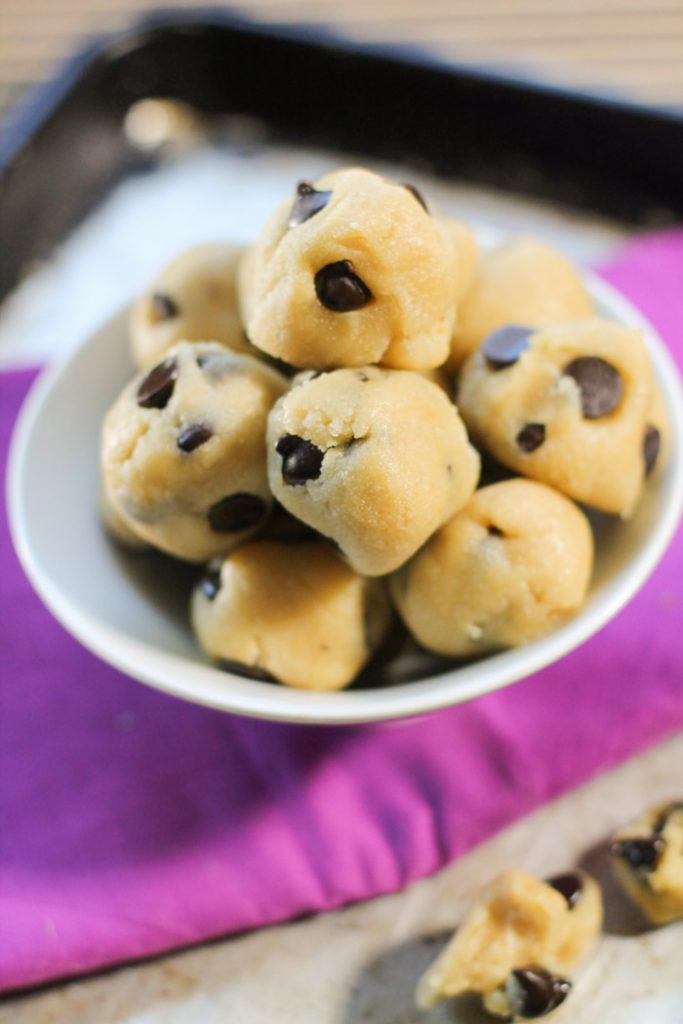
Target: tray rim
[(42, 101)]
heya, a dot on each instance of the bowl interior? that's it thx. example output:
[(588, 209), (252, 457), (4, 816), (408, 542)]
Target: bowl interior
[(131, 610)]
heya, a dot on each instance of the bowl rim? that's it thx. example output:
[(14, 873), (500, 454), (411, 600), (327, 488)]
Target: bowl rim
[(205, 684)]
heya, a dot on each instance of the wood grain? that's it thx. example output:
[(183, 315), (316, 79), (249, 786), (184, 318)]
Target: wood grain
[(629, 47)]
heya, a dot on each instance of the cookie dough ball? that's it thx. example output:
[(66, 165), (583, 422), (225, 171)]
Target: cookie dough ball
[(292, 612), (523, 281), (518, 945), (648, 862), (192, 299), (183, 450), (351, 271), (468, 255), (565, 405), (375, 459), (509, 567), (117, 527)]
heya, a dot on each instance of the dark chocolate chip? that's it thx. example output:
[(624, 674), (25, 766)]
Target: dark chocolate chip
[(570, 885), (503, 347), (193, 437), (641, 854), (418, 195), (531, 437), (664, 815), (534, 992), (248, 671), (651, 444), (308, 202), (495, 531), (236, 512), (600, 385), (210, 583), (339, 289), (157, 387), (163, 307), (301, 459)]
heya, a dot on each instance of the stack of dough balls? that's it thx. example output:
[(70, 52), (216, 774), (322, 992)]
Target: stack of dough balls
[(292, 428)]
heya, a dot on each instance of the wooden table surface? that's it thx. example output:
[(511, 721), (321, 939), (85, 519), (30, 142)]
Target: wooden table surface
[(631, 47)]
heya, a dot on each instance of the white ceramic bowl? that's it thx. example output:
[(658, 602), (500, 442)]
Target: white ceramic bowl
[(136, 619)]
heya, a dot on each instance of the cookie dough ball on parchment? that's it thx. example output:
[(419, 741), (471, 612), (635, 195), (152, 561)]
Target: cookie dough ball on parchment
[(183, 450), (293, 612), (193, 299), (648, 862), (519, 944), (509, 567), (374, 459), (565, 405), (523, 281), (351, 271)]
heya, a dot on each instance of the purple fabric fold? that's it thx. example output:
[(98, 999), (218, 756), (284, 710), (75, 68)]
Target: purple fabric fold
[(132, 823)]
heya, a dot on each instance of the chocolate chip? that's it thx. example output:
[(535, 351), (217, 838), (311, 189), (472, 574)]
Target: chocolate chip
[(193, 437), (301, 459), (531, 437), (600, 385), (308, 202), (664, 815), (249, 671), (570, 885), (494, 531), (157, 387), (418, 195), (163, 307), (210, 583), (651, 444), (641, 854), (339, 289), (504, 347), (535, 992), (236, 512)]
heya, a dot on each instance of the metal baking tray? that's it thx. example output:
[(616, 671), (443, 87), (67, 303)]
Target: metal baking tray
[(68, 145)]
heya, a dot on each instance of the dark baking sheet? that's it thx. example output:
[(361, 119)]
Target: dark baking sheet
[(69, 145)]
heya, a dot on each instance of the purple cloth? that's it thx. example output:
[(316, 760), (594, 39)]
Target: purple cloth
[(133, 823)]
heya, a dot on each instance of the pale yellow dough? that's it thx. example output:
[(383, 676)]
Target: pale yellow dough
[(293, 610), (656, 889), (414, 266), (598, 461), (509, 567), (396, 461), (117, 527), (200, 286), (524, 281), (519, 922), (166, 495)]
